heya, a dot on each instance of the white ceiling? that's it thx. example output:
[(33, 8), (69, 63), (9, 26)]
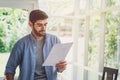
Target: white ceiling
[(23, 4)]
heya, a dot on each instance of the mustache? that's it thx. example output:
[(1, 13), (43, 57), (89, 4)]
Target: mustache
[(42, 31)]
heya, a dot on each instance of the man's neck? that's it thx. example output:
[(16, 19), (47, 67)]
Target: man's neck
[(38, 37)]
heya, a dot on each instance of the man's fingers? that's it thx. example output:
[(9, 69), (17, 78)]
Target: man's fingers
[(61, 64)]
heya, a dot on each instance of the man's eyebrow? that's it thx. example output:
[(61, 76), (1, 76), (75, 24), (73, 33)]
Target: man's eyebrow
[(42, 23)]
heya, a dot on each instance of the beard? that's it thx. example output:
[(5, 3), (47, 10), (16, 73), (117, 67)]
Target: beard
[(39, 33)]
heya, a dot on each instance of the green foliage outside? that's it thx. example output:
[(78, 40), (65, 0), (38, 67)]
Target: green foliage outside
[(2, 38), (111, 35), (112, 31), (94, 41), (12, 27)]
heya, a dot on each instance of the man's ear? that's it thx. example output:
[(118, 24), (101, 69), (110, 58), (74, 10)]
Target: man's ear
[(30, 24)]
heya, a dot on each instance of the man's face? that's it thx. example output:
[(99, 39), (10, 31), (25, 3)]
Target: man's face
[(39, 28)]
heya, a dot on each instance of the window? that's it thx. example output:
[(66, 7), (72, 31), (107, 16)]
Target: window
[(93, 26)]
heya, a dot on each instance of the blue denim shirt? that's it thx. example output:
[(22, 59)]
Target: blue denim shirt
[(24, 56)]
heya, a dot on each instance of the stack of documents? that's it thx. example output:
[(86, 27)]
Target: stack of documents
[(57, 54)]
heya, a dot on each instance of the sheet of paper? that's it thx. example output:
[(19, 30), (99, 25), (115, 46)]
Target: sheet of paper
[(57, 54)]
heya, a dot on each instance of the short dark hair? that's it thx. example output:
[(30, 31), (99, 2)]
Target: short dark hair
[(37, 15)]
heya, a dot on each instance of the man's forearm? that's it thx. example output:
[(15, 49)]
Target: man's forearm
[(9, 76)]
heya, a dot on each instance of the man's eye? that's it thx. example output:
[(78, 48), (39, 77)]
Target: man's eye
[(45, 24), (40, 25)]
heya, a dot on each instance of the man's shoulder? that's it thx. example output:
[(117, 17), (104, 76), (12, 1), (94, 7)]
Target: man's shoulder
[(51, 35), (52, 38), (23, 39)]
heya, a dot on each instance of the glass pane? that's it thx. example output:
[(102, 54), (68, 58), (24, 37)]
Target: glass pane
[(82, 5), (95, 4), (60, 27), (94, 42), (111, 3), (92, 76), (81, 46), (57, 7), (111, 36)]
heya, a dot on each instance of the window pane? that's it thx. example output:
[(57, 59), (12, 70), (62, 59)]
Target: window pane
[(57, 7), (95, 4), (94, 41), (111, 36), (111, 3)]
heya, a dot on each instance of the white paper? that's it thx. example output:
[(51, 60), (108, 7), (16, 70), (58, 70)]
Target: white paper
[(57, 54)]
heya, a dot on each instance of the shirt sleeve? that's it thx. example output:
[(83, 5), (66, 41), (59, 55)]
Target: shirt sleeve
[(14, 59), (57, 40)]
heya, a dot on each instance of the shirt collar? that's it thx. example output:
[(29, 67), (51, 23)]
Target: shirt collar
[(33, 38)]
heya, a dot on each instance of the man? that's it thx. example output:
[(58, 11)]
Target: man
[(30, 52)]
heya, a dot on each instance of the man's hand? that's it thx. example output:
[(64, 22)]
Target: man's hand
[(9, 76), (61, 66)]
